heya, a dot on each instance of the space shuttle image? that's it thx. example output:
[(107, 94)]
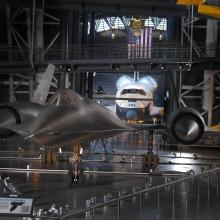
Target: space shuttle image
[(139, 106)]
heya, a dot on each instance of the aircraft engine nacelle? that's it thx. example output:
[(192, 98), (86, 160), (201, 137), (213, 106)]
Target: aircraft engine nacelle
[(186, 125), (16, 113)]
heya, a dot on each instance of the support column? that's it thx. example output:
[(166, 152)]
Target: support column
[(91, 42), (191, 31), (77, 82), (62, 80), (208, 88), (39, 40), (28, 18), (11, 89), (80, 83), (167, 97), (63, 31), (211, 37), (170, 28), (90, 85), (84, 24), (31, 87), (8, 15), (76, 32), (76, 35), (84, 37), (211, 97), (92, 28), (173, 33), (33, 34), (83, 79), (67, 80)]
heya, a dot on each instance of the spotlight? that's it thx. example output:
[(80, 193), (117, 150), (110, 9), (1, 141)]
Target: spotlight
[(160, 36), (188, 66), (66, 68), (162, 66), (180, 66), (113, 35), (116, 67)]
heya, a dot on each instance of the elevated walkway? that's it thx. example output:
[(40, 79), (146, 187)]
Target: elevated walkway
[(109, 57)]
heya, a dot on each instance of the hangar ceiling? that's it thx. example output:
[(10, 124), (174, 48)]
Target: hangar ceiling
[(125, 7)]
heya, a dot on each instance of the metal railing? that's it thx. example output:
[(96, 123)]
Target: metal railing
[(176, 192), (119, 52), (107, 51), (82, 52)]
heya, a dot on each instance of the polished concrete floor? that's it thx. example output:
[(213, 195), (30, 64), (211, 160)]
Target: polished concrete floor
[(185, 202)]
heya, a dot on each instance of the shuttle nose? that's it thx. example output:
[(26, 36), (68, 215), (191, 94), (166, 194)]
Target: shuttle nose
[(6, 118), (131, 115)]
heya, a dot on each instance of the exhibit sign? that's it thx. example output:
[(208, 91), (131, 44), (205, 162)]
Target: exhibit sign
[(16, 206)]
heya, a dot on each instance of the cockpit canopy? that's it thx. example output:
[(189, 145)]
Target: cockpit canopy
[(133, 91)]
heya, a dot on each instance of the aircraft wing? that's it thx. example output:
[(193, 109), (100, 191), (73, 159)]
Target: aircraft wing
[(22, 129), (148, 126), (60, 138), (111, 108)]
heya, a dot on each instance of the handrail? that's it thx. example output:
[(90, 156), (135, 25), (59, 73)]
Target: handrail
[(97, 52), (106, 52), (123, 197)]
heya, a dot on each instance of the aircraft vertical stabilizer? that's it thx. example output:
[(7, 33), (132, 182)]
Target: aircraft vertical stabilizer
[(41, 93)]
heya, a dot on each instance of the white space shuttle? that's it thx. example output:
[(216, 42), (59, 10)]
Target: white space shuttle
[(135, 99)]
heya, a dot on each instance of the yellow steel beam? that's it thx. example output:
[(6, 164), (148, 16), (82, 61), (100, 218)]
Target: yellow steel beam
[(190, 2), (213, 11), (215, 127)]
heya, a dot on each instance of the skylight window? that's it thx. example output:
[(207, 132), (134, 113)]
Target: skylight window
[(108, 23)]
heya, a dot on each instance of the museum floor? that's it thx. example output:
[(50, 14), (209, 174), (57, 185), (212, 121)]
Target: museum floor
[(186, 201)]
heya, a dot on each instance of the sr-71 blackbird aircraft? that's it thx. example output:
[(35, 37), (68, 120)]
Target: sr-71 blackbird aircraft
[(68, 118)]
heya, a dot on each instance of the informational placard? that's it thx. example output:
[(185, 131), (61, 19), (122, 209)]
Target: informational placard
[(16, 206)]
